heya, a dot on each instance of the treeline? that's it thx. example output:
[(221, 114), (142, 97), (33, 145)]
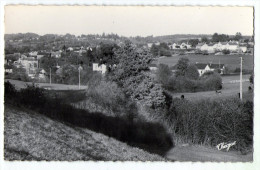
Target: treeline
[(186, 78)]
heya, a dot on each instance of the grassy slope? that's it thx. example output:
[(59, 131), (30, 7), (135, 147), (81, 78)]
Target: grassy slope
[(35, 137)]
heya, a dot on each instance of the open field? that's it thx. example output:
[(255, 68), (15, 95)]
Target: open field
[(21, 84), (231, 61), (231, 87), (31, 136)]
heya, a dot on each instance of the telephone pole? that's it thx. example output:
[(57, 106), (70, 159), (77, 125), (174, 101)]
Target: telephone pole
[(80, 68), (50, 75), (241, 93)]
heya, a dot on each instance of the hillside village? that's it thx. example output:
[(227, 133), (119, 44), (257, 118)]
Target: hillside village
[(29, 61)]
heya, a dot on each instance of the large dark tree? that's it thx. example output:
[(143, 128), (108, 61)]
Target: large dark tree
[(182, 66)]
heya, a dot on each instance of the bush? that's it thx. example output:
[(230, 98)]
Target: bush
[(163, 74), (9, 89), (111, 97), (212, 122), (225, 51), (209, 81), (152, 137)]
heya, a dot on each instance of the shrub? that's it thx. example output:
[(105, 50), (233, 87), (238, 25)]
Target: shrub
[(111, 97), (225, 51), (212, 122), (163, 74), (209, 81), (192, 72), (152, 137), (9, 89)]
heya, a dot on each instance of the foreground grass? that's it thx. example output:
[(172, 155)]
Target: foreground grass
[(36, 137), (200, 153)]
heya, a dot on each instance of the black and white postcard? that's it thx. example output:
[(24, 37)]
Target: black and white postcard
[(171, 84)]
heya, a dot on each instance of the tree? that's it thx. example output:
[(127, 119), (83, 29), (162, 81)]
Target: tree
[(251, 79), (163, 74), (204, 40), (219, 37), (154, 50), (193, 42), (192, 72), (238, 36), (182, 66), (130, 74)]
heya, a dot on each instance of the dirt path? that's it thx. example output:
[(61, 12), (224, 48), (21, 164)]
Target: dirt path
[(202, 153)]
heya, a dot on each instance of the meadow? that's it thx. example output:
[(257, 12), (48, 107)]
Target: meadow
[(230, 61), (230, 88), (21, 84)]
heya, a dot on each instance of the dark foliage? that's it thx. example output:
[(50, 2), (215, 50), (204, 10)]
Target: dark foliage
[(149, 136), (213, 122)]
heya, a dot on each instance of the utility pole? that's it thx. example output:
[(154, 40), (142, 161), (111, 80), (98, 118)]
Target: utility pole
[(241, 78), (80, 68), (50, 75)]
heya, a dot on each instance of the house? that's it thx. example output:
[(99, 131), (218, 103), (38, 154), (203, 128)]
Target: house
[(232, 46), (203, 68), (199, 45), (8, 69), (157, 43), (33, 53), (70, 49), (204, 47), (56, 54), (100, 68), (30, 64), (42, 74), (153, 67), (149, 45), (185, 46), (243, 48)]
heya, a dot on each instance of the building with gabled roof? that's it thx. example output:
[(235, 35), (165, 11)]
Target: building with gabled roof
[(203, 67)]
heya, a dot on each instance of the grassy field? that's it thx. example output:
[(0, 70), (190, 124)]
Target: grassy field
[(21, 84), (198, 153), (31, 136), (231, 87), (231, 61)]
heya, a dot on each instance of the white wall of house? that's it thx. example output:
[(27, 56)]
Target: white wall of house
[(233, 47), (100, 68), (202, 71), (204, 47), (243, 49)]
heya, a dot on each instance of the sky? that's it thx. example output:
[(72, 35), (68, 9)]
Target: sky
[(128, 21)]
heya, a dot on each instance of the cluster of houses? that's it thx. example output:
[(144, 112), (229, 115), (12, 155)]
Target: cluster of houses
[(232, 46), (30, 61)]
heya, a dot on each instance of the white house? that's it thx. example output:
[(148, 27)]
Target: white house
[(153, 67), (100, 68), (149, 45), (233, 46), (199, 45), (70, 49), (204, 47), (185, 46), (203, 68), (243, 48)]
